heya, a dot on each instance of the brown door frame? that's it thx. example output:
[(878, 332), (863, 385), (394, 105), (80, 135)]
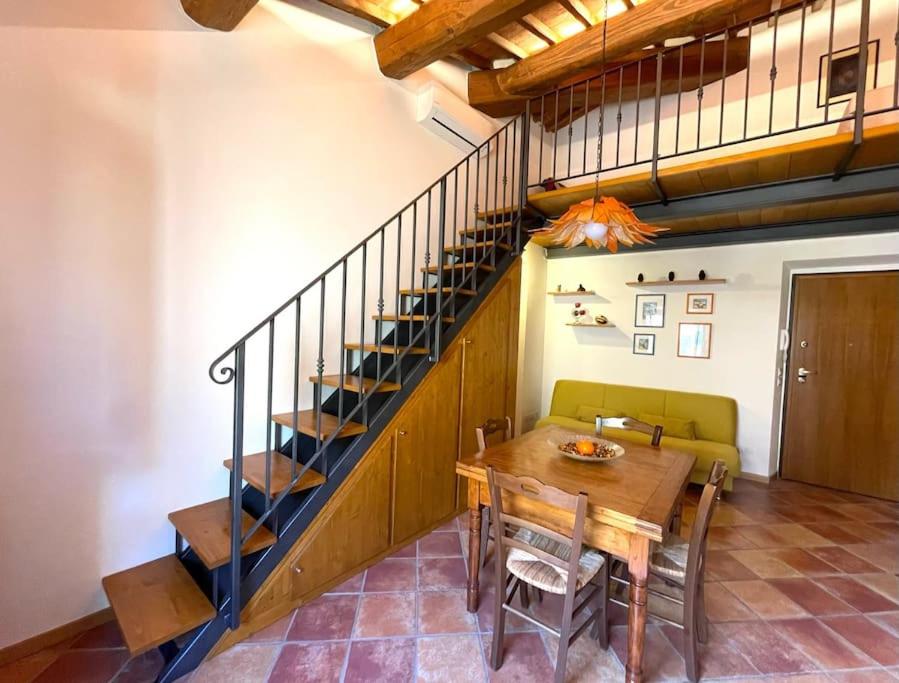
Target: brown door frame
[(784, 364)]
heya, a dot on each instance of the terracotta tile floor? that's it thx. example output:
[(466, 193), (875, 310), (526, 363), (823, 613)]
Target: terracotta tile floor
[(801, 587)]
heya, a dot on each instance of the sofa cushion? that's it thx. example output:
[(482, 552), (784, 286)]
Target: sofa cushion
[(715, 416), (632, 401), (568, 394), (589, 413), (672, 426)]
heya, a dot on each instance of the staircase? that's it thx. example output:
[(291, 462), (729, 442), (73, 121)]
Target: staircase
[(432, 263)]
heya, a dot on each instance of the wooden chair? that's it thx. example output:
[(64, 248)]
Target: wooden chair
[(655, 431), (482, 433), (680, 564), (530, 554)]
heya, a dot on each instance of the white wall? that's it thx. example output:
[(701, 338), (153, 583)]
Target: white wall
[(745, 324), (162, 188)]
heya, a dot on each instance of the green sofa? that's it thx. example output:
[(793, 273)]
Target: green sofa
[(700, 424)]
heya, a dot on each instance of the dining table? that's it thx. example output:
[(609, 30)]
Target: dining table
[(632, 502)]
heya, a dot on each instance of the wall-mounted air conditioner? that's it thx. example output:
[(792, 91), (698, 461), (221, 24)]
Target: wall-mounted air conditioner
[(446, 115)]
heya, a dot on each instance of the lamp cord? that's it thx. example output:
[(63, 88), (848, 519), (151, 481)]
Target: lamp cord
[(605, 24)]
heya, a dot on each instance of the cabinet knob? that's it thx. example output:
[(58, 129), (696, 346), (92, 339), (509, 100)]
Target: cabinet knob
[(298, 569), (402, 432), (466, 341)]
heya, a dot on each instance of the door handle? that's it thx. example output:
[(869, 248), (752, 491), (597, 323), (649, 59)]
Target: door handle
[(802, 373)]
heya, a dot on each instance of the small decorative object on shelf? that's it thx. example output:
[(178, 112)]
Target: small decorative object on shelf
[(640, 277), (578, 312), (702, 275), (601, 320), (559, 288), (670, 276), (581, 288)]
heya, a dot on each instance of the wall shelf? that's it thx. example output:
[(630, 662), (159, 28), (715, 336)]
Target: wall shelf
[(666, 283), (588, 325), (589, 292)]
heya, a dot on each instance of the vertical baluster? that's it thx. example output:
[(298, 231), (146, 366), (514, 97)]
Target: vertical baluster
[(799, 68), (555, 135), (363, 281), (497, 208), (637, 111), (296, 390), (453, 252), (826, 76), (486, 207), (618, 134), (570, 127), (507, 216), (438, 330), (748, 79), (542, 128), (680, 90), (380, 339), (602, 123), (237, 482), (655, 128), (859, 118), (723, 85), (464, 238), (772, 75), (700, 91), (586, 118), (320, 370), (896, 61), (477, 193), (427, 274), (523, 171), (268, 415), (396, 333), (508, 229), (411, 303), (342, 373)]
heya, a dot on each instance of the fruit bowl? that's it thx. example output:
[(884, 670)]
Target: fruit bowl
[(587, 448)]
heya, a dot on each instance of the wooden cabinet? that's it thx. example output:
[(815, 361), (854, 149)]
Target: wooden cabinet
[(427, 441)]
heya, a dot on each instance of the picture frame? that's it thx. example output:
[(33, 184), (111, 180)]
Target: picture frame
[(644, 344), (843, 84), (649, 310), (700, 303), (694, 340)]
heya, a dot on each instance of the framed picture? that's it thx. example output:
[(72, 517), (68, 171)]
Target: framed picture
[(694, 340), (645, 344), (842, 82), (703, 303), (650, 310)]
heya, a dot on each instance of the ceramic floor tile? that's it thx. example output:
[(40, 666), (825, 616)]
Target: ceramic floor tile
[(889, 620), (105, 635), (843, 560), (440, 545), (811, 597), (765, 648), (392, 574), (717, 657), (885, 584), (805, 562), (587, 661), (765, 563), (351, 585), (721, 565), (442, 573), (722, 605), (450, 659), (879, 644), (385, 614), (822, 645), (764, 599), (28, 668), (275, 632), (864, 513), (84, 666), (329, 617), (857, 595), (728, 515), (661, 661), (811, 513), (834, 533), (381, 660), (728, 538), (524, 659), (142, 669), (869, 532), (240, 664), (862, 676), (309, 663), (453, 524), (882, 555), (444, 612), (407, 551)]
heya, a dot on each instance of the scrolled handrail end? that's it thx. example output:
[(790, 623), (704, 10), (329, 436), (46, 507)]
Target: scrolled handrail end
[(227, 373)]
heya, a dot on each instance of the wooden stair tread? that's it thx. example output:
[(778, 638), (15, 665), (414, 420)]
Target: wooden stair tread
[(492, 227), (392, 318), (307, 424), (433, 290), (155, 602), (207, 529), (351, 382), (386, 348), (502, 211), (254, 473), (458, 266), (468, 247)]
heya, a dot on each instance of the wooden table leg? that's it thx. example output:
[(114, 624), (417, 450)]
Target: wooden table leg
[(677, 518), (638, 568), (474, 544)]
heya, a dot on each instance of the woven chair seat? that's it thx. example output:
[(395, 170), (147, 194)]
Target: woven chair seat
[(669, 559), (543, 575)]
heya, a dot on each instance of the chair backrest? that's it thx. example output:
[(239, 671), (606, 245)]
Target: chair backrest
[(492, 426), (532, 489), (655, 431), (711, 493)]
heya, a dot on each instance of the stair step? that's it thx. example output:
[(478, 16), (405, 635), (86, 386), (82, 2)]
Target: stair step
[(307, 424), (351, 382), (254, 473), (458, 266), (433, 290), (156, 602), (207, 529), (504, 212), (480, 246), (479, 229), (392, 318), (385, 348)]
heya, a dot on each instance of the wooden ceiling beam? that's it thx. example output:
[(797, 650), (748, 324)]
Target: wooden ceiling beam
[(441, 27), (579, 11), (223, 15), (533, 25), (369, 10), (646, 24)]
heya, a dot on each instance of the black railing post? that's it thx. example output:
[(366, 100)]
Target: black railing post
[(657, 124), (523, 172), (441, 239), (859, 118), (237, 481)]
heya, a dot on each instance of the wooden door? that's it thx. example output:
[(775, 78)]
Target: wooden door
[(426, 446), (842, 407)]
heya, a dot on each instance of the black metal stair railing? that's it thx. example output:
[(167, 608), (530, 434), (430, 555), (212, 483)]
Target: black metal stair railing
[(704, 107), (487, 188)]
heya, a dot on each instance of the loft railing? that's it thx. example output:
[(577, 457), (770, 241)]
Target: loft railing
[(490, 179), (754, 80)]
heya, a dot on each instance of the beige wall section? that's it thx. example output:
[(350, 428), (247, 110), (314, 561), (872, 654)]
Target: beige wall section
[(163, 188), (745, 325), (530, 337)]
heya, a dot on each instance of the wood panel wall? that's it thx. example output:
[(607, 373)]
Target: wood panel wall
[(405, 485)]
